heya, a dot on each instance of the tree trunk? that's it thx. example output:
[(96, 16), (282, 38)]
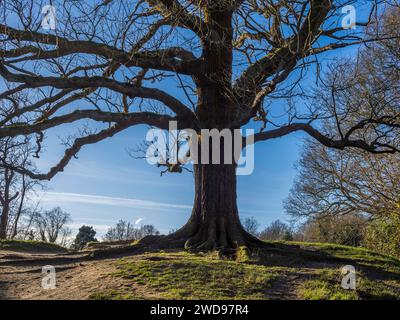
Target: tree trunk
[(214, 222), (14, 229), (4, 222)]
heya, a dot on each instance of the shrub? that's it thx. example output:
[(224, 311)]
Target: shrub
[(85, 235), (382, 235), (277, 230), (345, 230)]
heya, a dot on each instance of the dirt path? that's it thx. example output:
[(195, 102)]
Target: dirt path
[(78, 277), (21, 276), (285, 287)]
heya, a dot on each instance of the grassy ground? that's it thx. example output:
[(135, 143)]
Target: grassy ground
[(29, 246), (181, 275), (287, 270)]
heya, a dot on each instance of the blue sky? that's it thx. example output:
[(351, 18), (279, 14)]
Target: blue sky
[(106, 184)]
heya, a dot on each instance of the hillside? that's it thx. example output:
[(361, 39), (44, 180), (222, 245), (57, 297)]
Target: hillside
[(286, 271), (30, 246)]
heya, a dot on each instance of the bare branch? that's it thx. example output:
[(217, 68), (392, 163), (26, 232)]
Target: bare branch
[(323, 139)]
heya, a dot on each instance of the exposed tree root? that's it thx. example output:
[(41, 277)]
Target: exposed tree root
[(226, 241)]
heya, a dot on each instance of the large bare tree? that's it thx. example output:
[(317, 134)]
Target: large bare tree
[(336, 182), (50, 226), (110, 62)]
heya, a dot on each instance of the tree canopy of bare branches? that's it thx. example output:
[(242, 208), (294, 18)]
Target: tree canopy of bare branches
[(113, 63), (333, 182), (51, 225)]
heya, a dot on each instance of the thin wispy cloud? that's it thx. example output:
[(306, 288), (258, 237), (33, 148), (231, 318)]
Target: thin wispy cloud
[(90, 170), (89, 220), (64, 197), (139, 221), (99, 228)]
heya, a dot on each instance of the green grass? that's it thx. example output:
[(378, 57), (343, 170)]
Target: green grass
[(361, 256), (30, 246), (182, 275), (326, 286), (188, 276), (113, 295)]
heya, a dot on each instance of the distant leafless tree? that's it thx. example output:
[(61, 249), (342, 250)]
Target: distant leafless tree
[(125, 231), (277, 230), (51, 225), (338, 183), (251, 225), (14, 186)]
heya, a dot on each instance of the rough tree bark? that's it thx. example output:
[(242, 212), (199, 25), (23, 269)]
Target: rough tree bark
[(214, 222), (18, 213), (4, 221), (5, 200)]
